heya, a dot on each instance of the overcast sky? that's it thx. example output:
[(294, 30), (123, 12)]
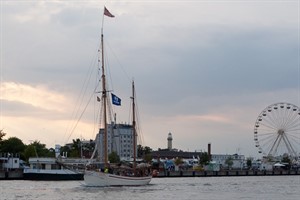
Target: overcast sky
[(204, 70)]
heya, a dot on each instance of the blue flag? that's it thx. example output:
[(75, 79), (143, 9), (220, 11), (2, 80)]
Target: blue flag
[(115, 100)]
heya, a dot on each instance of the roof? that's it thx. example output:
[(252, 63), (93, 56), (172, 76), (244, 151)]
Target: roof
[(174, 154)]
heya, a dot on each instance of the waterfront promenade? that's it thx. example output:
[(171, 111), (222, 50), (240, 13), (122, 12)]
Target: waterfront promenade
[(18, 174), (164, 174)]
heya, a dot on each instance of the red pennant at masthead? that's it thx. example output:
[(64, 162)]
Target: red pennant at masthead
[(107, 13)]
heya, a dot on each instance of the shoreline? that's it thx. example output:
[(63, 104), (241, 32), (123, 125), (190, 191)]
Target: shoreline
[(170, 174), (18, 174)]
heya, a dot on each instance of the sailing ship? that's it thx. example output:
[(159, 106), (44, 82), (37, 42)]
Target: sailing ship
[(107, 174)]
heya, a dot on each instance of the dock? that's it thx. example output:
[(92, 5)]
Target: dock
[(165, 174), (15, 174)]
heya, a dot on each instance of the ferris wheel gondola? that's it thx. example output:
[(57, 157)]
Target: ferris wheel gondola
[(277, 130)]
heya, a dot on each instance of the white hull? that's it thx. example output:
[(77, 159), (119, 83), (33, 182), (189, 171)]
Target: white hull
[(100, 179)]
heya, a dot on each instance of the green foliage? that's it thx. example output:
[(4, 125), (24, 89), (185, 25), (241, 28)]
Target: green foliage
[(286, 159), (29, 152), (249, 162), (12, 145), (269, 158), (2, 134), (65, 149), (204, 159), (148, 157), (37, 149), (178, 161), (88, 149), (113, 157), (41, 149), (79, 149), (142, 151), (75, 149)]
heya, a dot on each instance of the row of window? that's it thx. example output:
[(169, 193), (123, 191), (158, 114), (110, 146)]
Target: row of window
[(122, 141), (125, 155), (122, 136)]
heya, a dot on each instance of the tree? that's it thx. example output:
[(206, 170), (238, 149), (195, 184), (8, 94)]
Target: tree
[(87, 149), (113, 157), (65, 150), (286, 159), (204, 159), (148, 157), (12, 145), (2, 134), (249, 162), (29, 152), (75, 149), (178, 161), (37, 149), (144, 152)]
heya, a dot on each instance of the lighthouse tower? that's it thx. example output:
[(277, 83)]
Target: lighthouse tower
[(170, 141)]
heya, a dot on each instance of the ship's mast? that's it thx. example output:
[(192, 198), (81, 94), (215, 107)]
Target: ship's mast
[(104, 92), (133, 128), (104, 99)]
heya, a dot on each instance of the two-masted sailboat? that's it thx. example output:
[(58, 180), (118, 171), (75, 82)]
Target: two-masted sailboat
[(108, 175)]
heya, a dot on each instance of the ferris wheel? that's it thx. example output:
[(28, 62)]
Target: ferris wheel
[(277, 130)]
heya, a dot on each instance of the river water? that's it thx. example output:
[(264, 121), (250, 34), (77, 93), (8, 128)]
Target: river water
[(208, 188)]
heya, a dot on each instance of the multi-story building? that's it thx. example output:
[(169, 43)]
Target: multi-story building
[(119, 140)]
